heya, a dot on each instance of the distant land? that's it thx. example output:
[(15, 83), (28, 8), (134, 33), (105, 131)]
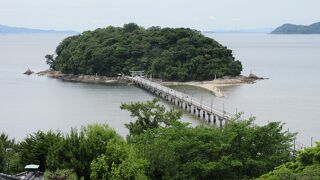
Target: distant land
[(298, 29), (20, 30), (255, 30)]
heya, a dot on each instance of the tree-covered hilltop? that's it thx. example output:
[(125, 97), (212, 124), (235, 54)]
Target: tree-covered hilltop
[(168, 53)]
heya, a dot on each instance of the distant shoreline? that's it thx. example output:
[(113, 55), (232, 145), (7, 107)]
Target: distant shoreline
[(210, 85)]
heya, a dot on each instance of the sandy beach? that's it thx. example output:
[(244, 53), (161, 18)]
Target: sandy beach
[(214, 85)]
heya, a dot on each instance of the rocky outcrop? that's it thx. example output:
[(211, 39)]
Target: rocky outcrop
[(80, 78), (28, 72)]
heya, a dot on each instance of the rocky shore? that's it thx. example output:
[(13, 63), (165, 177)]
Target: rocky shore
[(213, 85), (80, 78)]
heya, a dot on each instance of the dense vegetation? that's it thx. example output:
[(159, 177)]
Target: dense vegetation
[(167, 53), (159, 146), (298, 29), (305, 166)]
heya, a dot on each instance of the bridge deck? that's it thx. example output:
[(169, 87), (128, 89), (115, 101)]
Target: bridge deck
[(150, 85), (181, 96)]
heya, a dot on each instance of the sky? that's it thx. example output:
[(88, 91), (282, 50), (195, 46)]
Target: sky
[(80, 15)]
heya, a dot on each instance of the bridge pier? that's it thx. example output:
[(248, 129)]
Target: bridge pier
[(182, 101), (209, 117), (220, 119)]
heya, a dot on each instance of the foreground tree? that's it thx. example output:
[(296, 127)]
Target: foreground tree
[(78, 149), (149, 115), (2, 157), (9, 156), (120, 161), (305, 166), (34, 149), (61, 174), (239, 151)]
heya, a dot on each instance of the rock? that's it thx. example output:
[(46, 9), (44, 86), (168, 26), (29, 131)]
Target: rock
[(28, 72), (253, 76)]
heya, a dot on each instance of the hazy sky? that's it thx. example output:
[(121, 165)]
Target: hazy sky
[(198, 14)]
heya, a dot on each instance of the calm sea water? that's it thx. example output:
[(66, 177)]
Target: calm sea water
[(291, 95)]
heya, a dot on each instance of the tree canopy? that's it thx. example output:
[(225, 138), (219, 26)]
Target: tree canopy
[(149, 115), (162, 147), (241, 150), (305, 166), (168, 53)]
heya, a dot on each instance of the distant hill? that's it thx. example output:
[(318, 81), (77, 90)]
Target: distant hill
[(256, 30), (19, 30), (298, 29)]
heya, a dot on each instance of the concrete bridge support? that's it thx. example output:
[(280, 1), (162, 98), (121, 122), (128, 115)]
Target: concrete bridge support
[(220, 119), (172, 100), (183, 101), (209, 117)]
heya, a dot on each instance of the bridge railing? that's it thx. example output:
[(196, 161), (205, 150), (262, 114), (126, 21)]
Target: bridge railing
[(185, 97)]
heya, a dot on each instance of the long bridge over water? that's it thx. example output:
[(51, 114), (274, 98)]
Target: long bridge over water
[(192, 105)]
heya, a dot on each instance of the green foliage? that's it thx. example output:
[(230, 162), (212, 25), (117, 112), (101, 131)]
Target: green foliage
[(305, 166), (172, 54), (34, 149), (78, 149), (120, 161), (61, 174), (161, 147), (2, 157), (149, 115), (239, 151), (9, 157)]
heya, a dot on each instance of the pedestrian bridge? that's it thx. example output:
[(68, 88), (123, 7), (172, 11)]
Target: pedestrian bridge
[(190, 104)]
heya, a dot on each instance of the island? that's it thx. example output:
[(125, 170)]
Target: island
[(22, 30), (298, 29), (171, 54)]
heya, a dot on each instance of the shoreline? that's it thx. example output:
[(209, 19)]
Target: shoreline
[(79, 78), (215, 85), (210, 85)]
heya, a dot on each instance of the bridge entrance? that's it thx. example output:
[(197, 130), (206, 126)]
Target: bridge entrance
[(137, 73)]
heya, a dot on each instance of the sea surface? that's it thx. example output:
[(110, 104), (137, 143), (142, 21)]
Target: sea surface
[(290, 95)]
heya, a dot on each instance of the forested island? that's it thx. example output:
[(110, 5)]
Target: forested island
[(178, 54), (160, 146), (298, 29)]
